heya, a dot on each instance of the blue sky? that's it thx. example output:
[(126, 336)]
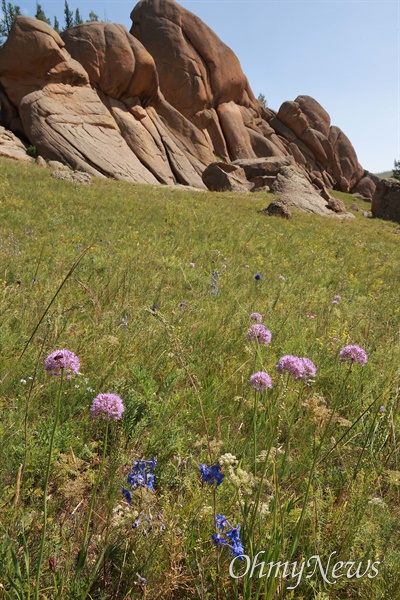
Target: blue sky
[(344, 53)]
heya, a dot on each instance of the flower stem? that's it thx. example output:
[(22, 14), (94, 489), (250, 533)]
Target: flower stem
[(82, 554), (46, 485)]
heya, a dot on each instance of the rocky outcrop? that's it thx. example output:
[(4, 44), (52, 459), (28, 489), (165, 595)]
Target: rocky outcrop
[(386, 200), (158, 104), (12, 147)]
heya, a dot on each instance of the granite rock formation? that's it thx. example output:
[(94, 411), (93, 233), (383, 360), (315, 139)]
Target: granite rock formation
[(158, 104)]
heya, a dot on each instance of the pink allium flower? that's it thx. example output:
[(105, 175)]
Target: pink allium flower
[(255, 316), (259, 333), (192, 265), (108, 406), (62, 360), (335, 302), (298, 368), (260, 381), (311, 316), (281, 278), (352, 354), (337, 297)]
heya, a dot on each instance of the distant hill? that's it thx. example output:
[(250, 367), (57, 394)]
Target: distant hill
[(385, 174)]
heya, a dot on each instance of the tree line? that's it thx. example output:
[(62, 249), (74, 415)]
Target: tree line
[(11, 11)]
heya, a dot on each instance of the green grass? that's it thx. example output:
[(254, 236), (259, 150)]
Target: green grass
[(385, 174), (329, 480)]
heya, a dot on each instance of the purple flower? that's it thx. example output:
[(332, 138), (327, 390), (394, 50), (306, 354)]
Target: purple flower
[(281, 278), (109, 406), (259, 333), (211, 474), (257, 276), (352, 354), (298, 368), (219, 540), (62, 360), (155, 307), (260, 381), (335, 302), (382, 409), (192, 265), (337, 297), (234, 544), (255, 316)]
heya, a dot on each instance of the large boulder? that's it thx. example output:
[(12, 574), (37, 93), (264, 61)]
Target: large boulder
[(196, 69), (386, 200), (221, 177), (259, 167), (296, 191)]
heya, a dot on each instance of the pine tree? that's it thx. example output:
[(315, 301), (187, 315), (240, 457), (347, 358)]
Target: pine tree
[(261, 98), (93, 17), (10, 11), (396, 170), (78, 19), (56, 25), (40, 14), (69, 16)]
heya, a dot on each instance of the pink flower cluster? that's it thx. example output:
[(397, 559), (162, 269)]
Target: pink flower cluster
[(62, 360), (108, 406), (352, 354), (298, 368), (260, 381), (259, 333)]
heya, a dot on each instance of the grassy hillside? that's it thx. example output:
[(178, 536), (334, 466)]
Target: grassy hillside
[(385, 174), (153, 289)]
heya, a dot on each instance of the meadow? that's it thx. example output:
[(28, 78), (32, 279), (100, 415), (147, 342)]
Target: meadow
[(152, 289)]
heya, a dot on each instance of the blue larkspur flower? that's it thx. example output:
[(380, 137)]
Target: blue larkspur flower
[(128, 496), (232, 537), (141, 474), (211, 474), (220, 522)]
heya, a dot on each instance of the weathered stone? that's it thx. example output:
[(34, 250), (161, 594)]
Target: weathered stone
[(354, 206), (57, 165), (40, 162), (262, 181), (336, 205), (196, 69), (12, 147), (296, 191), (386, 200), (236, 134), (259, 167), (317, 116), (366, 187), (221, 177), (277, 209), (73, 177)]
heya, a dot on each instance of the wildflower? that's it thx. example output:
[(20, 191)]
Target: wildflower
[(155, 307), (141, 579), (62, 360), (259, 333), (382, 410), (311, 316), (109, 406), (260, 381), (298, 368), (220, 521), (281, 278), (128, 496), (337, 298), (257, 276), (335, 302), (255, 316), (211, 474), (22, 381), (182, 305), (354, 354), (223, 266), (192, 265), (141, 474), (247, 266), (233, 542)]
